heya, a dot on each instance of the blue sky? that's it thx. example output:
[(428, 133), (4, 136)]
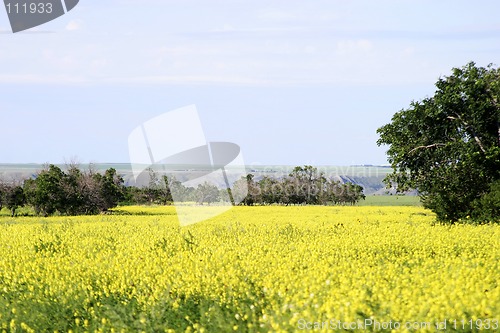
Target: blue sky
[(292, 82)]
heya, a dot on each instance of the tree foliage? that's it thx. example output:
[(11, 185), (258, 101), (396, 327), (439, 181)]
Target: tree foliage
[(73, 192), (448, 146), (207, 192), (11, 196), (305, 185)]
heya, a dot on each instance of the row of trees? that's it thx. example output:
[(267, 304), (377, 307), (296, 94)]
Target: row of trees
[(304, 185), (74, 192), (77, 192), (159, 190)]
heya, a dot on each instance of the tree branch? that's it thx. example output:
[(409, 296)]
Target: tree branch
[(434, 145), (474, 135), (498, 126), (495, 104)]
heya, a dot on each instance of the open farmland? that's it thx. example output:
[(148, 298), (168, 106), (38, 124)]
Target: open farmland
[(254, 269)]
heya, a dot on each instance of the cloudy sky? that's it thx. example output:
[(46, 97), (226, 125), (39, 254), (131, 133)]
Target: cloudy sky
[(292, 82)]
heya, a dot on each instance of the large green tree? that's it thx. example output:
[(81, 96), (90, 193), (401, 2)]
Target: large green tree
[(448, 146)]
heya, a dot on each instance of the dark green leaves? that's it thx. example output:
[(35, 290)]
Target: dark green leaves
[(448, 146)]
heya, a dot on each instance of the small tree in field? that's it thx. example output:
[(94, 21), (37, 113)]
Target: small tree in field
[(448, 146), (207, 192), (45, 193), (246, 191), (14, 198), (11, 196), (110, 189)]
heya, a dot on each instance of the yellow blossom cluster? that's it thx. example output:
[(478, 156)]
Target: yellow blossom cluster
[(251, 269)]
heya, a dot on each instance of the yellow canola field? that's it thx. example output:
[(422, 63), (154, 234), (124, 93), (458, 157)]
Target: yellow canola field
[(252, 269)]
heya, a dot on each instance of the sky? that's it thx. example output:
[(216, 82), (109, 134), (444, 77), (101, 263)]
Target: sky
[(291, 82)]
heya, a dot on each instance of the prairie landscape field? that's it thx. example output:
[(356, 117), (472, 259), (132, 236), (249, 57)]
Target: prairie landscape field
[(251, 269), (249, 166)]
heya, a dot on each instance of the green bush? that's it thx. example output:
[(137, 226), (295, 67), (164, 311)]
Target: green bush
[(487, 208)]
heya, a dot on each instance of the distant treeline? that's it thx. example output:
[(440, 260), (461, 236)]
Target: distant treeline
[(304, 185), (87, 192)]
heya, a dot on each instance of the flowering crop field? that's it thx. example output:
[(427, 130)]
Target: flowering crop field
[(252, 269)]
